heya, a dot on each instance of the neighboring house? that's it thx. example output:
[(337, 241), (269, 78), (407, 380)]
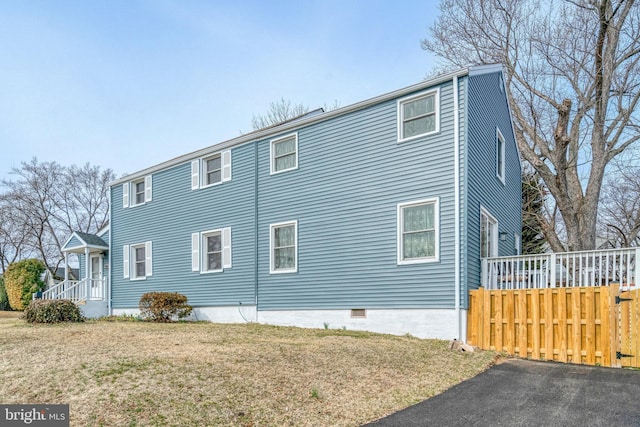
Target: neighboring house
[(373, 216), (51, 279)]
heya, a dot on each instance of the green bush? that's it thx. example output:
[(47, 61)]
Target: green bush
[(22, 279), (4, 298), (52, 311), (164, 306)]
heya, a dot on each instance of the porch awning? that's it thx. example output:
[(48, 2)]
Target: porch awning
[(79, 242)]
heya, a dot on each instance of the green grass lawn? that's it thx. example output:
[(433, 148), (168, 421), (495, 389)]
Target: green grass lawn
[(203, 374)]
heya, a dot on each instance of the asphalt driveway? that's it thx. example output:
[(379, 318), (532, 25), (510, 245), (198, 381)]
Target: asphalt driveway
[(526, 393)]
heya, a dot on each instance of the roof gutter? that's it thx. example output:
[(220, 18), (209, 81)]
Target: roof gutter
[(285, 127)]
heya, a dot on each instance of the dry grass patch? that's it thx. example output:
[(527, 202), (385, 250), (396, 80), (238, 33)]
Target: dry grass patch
[(10, 314), (134, 373)]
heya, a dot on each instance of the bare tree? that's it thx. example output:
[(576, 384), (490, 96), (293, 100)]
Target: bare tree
[(620, 209), (83, 200), (282, 110), (30, 200), (278, 112), (13, 238), (533, 210), (47, 202), (573, 82)]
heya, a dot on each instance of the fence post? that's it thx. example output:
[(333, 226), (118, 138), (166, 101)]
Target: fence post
[(484, 281), (552, 264), (636, 261)]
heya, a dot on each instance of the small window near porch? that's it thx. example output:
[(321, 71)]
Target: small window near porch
[(488, 235), (499, 155), (137, 261)]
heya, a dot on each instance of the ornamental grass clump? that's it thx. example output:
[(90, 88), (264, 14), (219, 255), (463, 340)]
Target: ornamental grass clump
[(164, 306), (52, 311)]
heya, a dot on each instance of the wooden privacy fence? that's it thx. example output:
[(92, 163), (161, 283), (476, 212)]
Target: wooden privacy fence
[(584, 325)]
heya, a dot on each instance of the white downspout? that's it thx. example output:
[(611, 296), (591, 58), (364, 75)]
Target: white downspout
[(456, 183), (87, 283), (66, 266), (108, 287)]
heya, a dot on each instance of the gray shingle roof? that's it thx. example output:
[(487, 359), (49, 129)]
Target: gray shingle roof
[(91, 239)]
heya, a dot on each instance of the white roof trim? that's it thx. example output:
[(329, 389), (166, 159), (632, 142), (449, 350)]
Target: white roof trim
[(273, 131), (83, 245), (102, 231), (477, 70)]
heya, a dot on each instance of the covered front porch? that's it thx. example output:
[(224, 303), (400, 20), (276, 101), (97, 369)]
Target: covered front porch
[(90, 290)]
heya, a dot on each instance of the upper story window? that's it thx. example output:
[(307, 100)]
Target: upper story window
[(499, 155), (137, 261), (211, 170), (418, 231), (284, 247), (138, 192), (418, 115), (211, 250), (284, 153)]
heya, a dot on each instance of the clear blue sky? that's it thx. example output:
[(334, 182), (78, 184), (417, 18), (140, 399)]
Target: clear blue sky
[(126, 84)]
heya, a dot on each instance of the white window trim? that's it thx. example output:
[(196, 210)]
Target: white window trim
[(129, 193), (198, 253), (399, 226), (500, 152), (203, 253), (495, 240), (203, 175), (272, 227), (271, 153), (198, 177), (400, 106), (130, 260)]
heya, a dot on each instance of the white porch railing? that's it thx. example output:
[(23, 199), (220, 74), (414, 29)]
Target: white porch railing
[(565, 269), (77, 290)]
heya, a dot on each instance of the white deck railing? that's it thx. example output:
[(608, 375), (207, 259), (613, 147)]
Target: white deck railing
[(77, 290), (565, 269)]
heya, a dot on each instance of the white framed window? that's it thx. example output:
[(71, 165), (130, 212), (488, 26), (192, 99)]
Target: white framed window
[(284, 153), (137, 261), (499, 155), (488, 234), (211, 170), (418, 115), (211, 250), (418, 231), (283, 243), (137, 192)]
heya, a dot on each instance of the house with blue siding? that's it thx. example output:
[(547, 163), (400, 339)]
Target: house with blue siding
[(374, 216)]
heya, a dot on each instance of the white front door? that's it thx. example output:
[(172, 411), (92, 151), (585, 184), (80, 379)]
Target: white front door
[(96, 277)]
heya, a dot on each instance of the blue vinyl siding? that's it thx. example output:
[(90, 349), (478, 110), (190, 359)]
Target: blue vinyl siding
[(487, 111), (352, 173), (105, 236), (74, 242), (168, 220)]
